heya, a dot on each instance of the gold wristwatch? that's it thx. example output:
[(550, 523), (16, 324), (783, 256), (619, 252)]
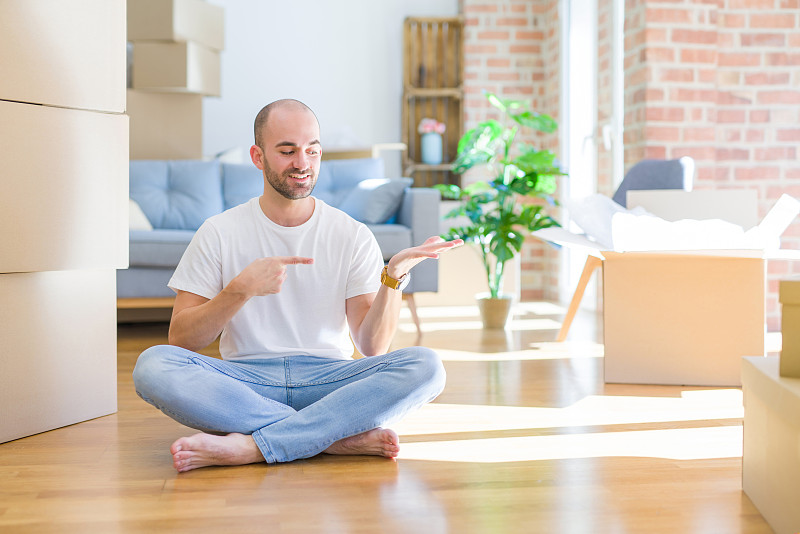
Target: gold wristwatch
[(393, 283)]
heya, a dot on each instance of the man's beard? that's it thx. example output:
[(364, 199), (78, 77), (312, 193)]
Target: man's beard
[(285, 185)]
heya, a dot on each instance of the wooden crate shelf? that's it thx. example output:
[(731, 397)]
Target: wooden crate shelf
[(432, 87)]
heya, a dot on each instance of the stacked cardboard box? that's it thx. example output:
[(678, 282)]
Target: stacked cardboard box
[(790, 328), (63, 211), (176, 62)]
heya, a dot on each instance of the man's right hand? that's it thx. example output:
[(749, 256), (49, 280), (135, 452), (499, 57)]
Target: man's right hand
[(265, 276)]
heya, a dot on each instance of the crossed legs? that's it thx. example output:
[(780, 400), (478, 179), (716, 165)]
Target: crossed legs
[(288, 408)]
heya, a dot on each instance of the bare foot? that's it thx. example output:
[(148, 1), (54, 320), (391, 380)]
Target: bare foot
[(375, 442), (202, 450)]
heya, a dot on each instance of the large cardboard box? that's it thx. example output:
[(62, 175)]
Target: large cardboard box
[(771, 454), (177, 20), (67, 54), (682, 317), (181, 67), (59, 363), (789, 295), (65, 189), (165, 125)]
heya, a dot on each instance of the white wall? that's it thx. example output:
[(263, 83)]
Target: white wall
[(344, 59)]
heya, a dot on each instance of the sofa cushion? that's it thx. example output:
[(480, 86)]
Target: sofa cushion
[(177, 195), (137, 220), (337, 177), (158, 248), (240, 183), (392, 238), (375, 200)]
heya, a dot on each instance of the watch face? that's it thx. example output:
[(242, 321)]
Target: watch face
[(404, 282)]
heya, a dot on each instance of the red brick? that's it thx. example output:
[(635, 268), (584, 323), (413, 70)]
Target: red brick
[(759, 115), (669, 114), (699, 134), (733, 98), (731, 115), (695, 95), (660, 16), (723, 154), (732, 136), (529, 35), (751, 4), (782, 59), (677, 75), (498, 62), (655, 35), (480, 49), (790, 4), (775, 153), (788, 135), (657, 54), (525, 49), (699, 153), (732, 20), (767, 78), (698, 55), (761, 172), (739, 59), (655, 152), (512, 21), (499, 35), (773, 20), (662, 133), (779, 97), (763, 39), (694, 36), (481, 8), (755, 135)]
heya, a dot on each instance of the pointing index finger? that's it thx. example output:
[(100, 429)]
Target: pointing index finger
[(295, 260)]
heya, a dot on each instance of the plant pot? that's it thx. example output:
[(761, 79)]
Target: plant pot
[(494, 311)]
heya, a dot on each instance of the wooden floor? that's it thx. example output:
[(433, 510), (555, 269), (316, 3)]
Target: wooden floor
[(525, 438)]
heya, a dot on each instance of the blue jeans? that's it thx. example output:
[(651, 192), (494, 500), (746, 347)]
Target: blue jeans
[(294, 407)]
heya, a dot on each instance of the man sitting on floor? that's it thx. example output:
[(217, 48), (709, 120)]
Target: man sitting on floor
[(287, 280)]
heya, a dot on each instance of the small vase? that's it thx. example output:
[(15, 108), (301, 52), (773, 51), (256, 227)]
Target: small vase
[(431, 144)]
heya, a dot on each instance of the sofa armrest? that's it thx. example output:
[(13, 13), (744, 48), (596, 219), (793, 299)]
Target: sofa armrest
[(419, 211)]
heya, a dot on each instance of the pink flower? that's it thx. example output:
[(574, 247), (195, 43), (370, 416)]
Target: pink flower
[(428, 125)]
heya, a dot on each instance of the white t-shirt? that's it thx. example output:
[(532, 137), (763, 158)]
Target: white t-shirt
[(307, 317)]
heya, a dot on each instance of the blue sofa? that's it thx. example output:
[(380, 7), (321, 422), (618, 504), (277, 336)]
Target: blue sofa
[(177, 196)]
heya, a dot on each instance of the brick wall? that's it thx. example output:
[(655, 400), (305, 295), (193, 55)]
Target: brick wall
[(716, 80), (719, 81), (511, 49)]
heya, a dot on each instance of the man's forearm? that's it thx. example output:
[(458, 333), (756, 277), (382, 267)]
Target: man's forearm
[(377, 330), (196, 327)]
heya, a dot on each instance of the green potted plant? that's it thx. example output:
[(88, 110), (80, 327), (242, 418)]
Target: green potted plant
[(498, 213)]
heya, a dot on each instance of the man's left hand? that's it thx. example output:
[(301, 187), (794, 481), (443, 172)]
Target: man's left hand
[(402, 262)]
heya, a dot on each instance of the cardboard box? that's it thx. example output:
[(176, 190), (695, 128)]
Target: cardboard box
[(181, 67), (771, 456), (789, 295), (59, 364), (67, 54), (65, 189), (682, 317), (177, 20), (165, 125)]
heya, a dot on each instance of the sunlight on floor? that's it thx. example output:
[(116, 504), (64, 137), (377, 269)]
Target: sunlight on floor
[(593, 410), (676, 444)]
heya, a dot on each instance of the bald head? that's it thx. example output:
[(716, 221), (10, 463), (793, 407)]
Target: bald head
[(263, 115)]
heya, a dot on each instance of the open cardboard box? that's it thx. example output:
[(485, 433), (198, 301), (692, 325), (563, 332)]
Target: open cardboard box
[(683, 317)]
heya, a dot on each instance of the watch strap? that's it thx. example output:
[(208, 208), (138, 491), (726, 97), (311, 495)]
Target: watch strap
[(390, 282)]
